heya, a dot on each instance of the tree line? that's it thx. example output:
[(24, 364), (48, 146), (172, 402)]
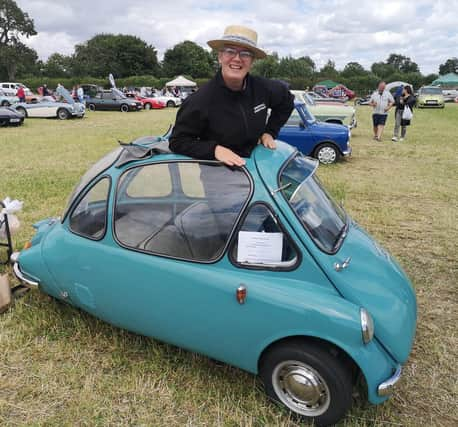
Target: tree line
[(128, 56)]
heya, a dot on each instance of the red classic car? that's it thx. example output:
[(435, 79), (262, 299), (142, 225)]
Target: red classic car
[(147, 103)]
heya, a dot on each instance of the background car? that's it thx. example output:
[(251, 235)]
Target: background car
[(10, 89), (147, 102), (10, 117), (329, 113), (430, 97), (450, 94), (325, 141), (256, 266), (48, 107), (169, 100), (112, 100), (7, 100), (321, 99)]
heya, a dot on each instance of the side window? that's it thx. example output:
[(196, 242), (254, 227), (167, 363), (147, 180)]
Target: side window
[(185, 210), (261, 242), (89, 218), (294, 119)]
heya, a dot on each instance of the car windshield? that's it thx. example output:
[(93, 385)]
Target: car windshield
[(306, 112), (103, 164), (431, 91), (323, 219)]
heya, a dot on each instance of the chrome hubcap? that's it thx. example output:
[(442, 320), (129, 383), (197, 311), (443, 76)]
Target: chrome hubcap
[(301, 388), (327, 155)]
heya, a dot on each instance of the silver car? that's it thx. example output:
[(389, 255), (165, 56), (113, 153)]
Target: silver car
[(48, 107)]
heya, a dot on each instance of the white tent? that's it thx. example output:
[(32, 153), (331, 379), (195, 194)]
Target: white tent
[(181, 81), (394, 85)]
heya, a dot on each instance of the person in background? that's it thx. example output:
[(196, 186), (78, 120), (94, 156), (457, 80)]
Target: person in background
[(21, 94), (405, 99), (382, 101), (46, 90), (80, 94)]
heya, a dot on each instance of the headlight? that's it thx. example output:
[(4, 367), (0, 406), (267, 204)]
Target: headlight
[(367, 326)]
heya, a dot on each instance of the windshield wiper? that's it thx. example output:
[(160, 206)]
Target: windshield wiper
[(342, 234)]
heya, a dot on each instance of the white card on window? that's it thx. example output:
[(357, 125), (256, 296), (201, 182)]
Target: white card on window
[(259, 248)]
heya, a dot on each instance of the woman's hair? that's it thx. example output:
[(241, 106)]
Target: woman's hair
[(408, 89)]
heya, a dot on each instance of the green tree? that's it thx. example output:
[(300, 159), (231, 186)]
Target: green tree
[(188, 58), (402, 63), (382, 70), (449, 66), (58, 65), (291, 68), (14, 55), (267, 67), (328, 71), (122, 55), (353, 69)]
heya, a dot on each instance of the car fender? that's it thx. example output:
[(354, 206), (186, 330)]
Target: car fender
[(337, 321)]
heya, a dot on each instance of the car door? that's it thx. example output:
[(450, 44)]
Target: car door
[(297, 132)]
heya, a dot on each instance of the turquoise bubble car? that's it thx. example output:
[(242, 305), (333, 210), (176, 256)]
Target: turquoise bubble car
[(256, 267)]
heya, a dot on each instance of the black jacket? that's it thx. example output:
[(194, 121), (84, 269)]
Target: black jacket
[(216, 115), (409, 100)]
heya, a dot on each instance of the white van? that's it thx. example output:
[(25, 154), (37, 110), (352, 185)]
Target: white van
[(10, 89)]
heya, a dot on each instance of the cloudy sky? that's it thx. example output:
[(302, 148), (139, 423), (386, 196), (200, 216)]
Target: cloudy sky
[(342, 30)]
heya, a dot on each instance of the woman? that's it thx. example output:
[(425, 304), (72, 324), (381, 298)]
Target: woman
[(406, 99), (227, 117)]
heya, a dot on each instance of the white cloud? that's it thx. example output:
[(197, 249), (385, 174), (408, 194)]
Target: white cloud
[(342, 30)]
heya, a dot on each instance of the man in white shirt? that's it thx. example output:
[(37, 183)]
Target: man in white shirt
[(382, 101)]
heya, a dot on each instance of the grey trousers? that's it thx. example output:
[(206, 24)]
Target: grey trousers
[(397, 125)]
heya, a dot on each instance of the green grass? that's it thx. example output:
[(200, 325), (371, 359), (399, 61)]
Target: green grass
[(60, 366)]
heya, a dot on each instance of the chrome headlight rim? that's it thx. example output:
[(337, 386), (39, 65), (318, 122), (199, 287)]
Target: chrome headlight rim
[(367, 325)]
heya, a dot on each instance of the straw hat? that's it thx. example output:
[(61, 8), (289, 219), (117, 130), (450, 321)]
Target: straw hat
[(238, 35)]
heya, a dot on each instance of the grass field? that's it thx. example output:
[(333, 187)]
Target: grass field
[(60, 366)]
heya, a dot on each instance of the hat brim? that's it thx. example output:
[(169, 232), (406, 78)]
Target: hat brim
[(220, 43)]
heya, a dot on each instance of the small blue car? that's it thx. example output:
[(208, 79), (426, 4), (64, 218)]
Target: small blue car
[(327, 142), (255, 266)]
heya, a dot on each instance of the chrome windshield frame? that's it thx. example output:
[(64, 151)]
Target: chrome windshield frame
[(343, 231)]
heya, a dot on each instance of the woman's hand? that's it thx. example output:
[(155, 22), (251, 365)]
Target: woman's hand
[(268, 141), (228, 157)]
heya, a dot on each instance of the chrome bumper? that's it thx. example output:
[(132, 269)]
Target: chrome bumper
[(30, 283), (387, 387)]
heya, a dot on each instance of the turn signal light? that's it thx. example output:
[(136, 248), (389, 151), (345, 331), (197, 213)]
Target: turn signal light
[(241, 294), (28, 245)]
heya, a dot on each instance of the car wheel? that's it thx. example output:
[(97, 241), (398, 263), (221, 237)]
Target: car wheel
[(22, 110), (170, 104), (3, 122), (327, 153), (91, 107), (308, 380), (124, 108), (147, 106), (62, 114), (5, 103)]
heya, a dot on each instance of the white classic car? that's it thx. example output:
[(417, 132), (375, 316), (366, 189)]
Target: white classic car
[(7, 100), (48, 107), (168, 100)]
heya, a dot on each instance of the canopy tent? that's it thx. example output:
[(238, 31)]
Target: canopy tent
[(394, 85), (181, 81), (328, 83), (449, 80)]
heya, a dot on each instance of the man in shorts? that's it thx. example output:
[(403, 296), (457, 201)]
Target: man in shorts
[(382, 101)]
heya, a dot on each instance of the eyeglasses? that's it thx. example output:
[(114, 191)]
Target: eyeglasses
[(230, 52)]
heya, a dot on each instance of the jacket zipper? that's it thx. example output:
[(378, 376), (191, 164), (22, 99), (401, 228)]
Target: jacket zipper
[(245, 121)]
